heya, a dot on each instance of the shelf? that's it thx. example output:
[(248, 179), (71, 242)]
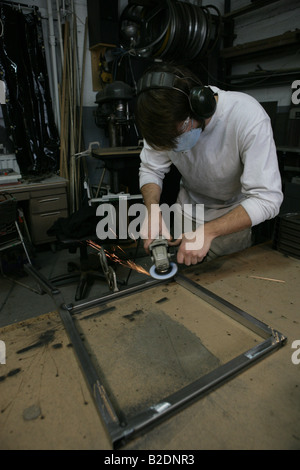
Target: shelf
[(288, 149), (255, 5), (288, 39), (261, 78)]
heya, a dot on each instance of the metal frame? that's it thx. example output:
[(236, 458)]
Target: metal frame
[(119, 431)]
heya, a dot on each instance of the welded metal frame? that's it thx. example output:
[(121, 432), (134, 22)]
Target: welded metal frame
[(119, 431)]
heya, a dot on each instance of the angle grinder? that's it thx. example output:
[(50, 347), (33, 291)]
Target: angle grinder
[(162, 268)]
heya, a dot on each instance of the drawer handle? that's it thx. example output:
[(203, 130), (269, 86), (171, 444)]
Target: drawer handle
[(49, 214), (49, 200)]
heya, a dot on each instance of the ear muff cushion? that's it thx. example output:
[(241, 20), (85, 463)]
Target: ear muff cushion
[(203, 102)]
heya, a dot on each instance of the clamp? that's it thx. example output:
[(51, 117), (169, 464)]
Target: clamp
[(108, 271)]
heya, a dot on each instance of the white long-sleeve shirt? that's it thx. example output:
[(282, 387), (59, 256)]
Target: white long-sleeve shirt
[(234, 162)]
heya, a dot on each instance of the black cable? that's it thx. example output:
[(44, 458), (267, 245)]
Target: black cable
[(178, 40)]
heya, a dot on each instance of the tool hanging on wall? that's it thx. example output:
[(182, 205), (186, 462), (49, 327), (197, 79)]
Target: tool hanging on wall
[(155, 29)]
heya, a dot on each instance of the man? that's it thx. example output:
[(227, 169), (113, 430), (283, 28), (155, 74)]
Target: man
[(222, 144)]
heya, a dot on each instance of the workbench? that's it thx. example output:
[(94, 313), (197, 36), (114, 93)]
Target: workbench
[(45, 402), (43, 202)]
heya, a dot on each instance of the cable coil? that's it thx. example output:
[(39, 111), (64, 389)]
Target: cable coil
[(169, 29)]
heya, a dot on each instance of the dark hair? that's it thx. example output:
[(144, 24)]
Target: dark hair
[(158, 111)]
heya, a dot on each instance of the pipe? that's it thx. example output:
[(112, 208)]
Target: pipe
[(60, 33), (2, 92), (54, 65)]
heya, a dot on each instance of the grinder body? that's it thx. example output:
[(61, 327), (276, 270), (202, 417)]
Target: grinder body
[(162, 268)]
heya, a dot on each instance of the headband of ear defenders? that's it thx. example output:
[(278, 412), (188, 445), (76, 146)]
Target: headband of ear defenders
[(201, 98)]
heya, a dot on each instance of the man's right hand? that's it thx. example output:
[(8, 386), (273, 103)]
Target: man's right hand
[(153, 227)]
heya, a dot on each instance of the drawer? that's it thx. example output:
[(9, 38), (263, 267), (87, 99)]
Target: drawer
[(18, 195), (40, 223), (47, 203), (39, 193)]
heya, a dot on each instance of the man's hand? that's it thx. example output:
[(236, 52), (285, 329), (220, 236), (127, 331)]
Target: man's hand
[(193, 251), (193, 247), (153, 227)]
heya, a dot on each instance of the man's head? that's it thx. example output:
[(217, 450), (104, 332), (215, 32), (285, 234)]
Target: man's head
[(164, 104)]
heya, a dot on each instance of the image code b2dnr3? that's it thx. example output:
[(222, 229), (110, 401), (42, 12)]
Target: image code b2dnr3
[(151, 459)]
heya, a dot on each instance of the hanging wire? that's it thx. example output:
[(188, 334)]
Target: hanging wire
[(158, 31), (16, 6), (19, 5)]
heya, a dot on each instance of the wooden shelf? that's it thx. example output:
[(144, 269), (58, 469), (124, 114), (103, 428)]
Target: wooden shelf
[(288, 39), (255, 5)]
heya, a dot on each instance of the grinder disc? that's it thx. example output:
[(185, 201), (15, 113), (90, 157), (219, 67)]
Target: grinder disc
[(170, 273)]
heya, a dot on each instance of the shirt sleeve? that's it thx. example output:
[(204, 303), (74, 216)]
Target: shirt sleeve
[(261, 179), (154, 165)]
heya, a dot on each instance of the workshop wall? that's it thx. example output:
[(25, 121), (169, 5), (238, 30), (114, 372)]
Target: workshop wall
[(270, 73), (274, 19), (262, 23)]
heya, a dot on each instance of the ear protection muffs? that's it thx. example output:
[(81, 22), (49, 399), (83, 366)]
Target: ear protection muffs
[(201, 98)]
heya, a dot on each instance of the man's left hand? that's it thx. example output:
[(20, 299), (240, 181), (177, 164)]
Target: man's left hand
[(193, 247)]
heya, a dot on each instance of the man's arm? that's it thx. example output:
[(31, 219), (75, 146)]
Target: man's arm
[(153, 225), (234, 221), (151, 194)]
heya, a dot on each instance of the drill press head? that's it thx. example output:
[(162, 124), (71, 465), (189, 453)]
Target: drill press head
[(162, 268)]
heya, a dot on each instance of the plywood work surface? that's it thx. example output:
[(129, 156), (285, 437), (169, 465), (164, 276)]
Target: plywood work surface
[(159, 341), (44, 401), (151, 344)]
